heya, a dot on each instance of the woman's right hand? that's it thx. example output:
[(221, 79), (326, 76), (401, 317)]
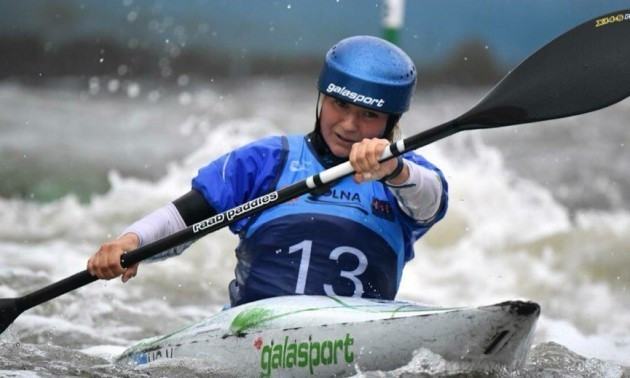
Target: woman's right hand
[(105, 263)]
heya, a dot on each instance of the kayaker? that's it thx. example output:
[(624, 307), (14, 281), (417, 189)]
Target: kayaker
[(351, 239)]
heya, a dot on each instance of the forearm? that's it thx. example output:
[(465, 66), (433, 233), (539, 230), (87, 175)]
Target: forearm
[(419, 194), (161, 223)]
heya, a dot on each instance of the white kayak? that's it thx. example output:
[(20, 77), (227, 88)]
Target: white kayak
[(319, 335)]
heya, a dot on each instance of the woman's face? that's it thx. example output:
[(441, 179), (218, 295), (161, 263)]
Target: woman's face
[(343, 124)]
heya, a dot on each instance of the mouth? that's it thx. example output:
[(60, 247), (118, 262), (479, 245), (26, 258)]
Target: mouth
[(345, 140)]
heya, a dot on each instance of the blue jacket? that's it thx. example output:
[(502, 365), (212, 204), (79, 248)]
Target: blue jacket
[(349, 240)]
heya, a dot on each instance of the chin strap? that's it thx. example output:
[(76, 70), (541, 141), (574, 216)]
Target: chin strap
[(392, 120)]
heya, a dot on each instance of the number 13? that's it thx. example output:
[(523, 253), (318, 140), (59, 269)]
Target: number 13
[(306, 246)]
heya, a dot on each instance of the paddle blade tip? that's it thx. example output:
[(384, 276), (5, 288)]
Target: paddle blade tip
[(8, 313)]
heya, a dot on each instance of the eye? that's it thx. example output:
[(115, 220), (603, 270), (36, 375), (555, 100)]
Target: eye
[(369, 114), (341, 104)]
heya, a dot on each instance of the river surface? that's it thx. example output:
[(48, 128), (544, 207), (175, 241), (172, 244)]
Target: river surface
[(538, 212)]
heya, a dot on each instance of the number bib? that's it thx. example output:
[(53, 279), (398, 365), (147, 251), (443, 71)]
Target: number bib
[(347, 241), (282, 260)]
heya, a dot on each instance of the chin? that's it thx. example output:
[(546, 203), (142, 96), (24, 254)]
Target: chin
[(340, 151)]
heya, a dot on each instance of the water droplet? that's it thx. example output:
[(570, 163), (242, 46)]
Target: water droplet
[(133, 90), (101, 60), (122, 69), (185, 98), (465, 58), (154, 96), (289, 6), (113, 85), (132, 16)]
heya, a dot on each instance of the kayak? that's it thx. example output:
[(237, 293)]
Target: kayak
[(320, 335)]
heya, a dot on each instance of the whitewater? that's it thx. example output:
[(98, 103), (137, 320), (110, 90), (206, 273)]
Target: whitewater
[(538, 212)]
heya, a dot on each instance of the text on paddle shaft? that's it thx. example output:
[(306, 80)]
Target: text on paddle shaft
[(308, 353), (232, 213), (306, 247), (612, 19)]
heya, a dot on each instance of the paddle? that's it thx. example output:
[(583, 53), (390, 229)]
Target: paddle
[(585, 69)]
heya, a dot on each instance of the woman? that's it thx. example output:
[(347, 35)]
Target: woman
[(351, 239)]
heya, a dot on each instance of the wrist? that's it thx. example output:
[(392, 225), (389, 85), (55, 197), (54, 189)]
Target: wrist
[(398, 175), (129, 241)]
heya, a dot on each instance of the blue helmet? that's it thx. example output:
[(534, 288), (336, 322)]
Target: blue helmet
[(369, 72)]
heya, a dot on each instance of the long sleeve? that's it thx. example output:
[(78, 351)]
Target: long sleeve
[(420, 196), (162, 222)]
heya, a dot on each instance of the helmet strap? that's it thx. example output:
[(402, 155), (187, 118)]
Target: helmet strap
[(392, 120), (318, 110)]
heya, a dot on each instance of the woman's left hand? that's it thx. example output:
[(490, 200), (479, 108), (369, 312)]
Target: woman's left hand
[(364, 157)]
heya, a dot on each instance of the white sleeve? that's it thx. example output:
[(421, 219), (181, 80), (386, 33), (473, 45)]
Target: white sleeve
[(162, 222), (420, 196)]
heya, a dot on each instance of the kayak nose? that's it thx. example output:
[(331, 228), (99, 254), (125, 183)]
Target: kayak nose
[(526, 308), (521, 308)]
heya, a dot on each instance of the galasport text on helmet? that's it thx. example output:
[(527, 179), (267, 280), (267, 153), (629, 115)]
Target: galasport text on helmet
[(369, 72)]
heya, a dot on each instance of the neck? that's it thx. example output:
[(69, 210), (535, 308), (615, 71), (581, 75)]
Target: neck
[(326, 157)]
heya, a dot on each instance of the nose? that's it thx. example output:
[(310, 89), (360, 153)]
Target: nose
[(350, 121)]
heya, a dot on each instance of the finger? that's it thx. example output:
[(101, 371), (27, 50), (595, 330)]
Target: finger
[(353, 158), (96, 264), (103, 262), (131, 272), (114, 269), (372, 155), (361, 158), (379, 148), (89, 265)]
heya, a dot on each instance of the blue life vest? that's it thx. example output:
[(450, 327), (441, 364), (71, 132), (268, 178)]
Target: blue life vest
[(348, 240)]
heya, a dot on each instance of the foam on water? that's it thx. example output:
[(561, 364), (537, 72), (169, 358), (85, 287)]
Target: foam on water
[(505, 237)]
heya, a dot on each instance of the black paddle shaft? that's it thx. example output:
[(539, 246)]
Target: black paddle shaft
[(585, 69)]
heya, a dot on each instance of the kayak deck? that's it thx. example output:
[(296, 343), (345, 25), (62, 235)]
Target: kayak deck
[(301, 335)]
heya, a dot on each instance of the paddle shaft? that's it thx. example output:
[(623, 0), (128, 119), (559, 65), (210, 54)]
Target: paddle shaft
[(279, 196), (585, 69), (227, 218)]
